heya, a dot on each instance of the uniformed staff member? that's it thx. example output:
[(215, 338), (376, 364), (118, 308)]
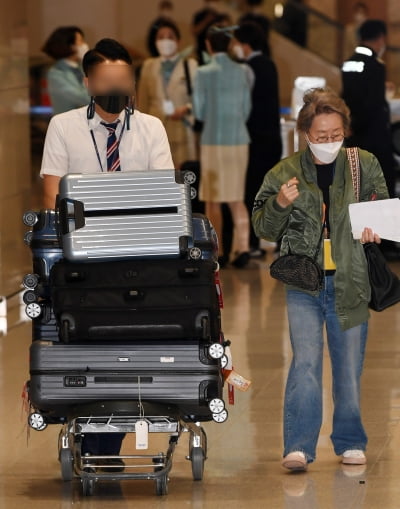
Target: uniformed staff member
[(364, 78)]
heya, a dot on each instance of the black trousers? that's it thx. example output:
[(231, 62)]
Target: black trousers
[(263, 155), (102, 444)]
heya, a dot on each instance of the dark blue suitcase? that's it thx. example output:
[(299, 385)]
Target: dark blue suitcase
[(46, 251)]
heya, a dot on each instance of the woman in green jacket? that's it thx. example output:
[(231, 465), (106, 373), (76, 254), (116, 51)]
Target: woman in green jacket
[(301, 196)]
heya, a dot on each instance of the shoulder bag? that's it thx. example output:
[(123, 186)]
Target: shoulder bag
[(385, 285)]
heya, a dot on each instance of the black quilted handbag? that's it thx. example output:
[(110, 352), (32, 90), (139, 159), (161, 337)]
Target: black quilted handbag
[(299, 270)]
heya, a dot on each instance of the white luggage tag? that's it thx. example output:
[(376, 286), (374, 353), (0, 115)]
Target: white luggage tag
[(141, 426), (142, 434)]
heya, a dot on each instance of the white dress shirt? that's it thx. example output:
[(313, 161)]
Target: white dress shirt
[(69, 147)]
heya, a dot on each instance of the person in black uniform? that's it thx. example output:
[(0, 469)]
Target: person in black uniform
[(255, 15), (364, 82), (265, 148)]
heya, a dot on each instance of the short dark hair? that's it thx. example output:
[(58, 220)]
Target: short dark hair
[(372, 29), (60, 42), (250, 33), (168, 23), (218, 38), (105, 49)]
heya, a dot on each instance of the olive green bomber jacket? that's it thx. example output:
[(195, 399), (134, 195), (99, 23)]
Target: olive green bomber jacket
[(300, 223)]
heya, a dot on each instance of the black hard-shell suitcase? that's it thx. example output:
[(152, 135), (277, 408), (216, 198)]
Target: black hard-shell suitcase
[(175, 372), (134, 300), (46, 251)]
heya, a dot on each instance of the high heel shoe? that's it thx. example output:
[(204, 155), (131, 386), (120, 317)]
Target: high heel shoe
[(241, 260)]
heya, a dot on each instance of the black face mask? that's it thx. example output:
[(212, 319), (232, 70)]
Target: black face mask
[(113, 102)]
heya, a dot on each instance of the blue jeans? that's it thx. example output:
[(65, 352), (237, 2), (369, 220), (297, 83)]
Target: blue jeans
[(303, 396)]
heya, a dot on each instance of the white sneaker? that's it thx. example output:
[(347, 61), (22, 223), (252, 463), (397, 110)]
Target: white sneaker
[(354, 457), (295, 461)]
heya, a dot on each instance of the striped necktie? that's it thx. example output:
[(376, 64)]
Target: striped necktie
[(113, 162)]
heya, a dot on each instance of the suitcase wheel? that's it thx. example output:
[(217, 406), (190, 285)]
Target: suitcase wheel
[(30, 281), (29, 297), (220, 417), (216, 351), (193, 193), (189, 177), (33, 310), (30, 218), (195, 253), (216, 405), (37, 422), (28, 237)]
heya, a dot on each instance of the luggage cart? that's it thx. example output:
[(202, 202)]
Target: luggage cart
[(122, 417)]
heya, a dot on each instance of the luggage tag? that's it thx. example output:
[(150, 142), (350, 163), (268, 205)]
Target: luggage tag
[(238, 381), (168, 107), (329, 264), (142, 434)]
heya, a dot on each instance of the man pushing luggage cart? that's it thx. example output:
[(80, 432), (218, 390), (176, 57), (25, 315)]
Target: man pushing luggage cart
[(133, 341)]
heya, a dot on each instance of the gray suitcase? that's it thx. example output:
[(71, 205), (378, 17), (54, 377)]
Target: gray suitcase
[(125, 215), (178, 373)]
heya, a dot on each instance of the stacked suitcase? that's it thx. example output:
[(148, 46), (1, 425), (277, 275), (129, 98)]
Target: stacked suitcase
[(123, 297)]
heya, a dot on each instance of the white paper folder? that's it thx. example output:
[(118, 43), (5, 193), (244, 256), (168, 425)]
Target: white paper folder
[(383, 216)]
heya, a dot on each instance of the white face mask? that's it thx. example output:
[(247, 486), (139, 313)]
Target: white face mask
[(325, 152), (238, 51), (166, 47), (81, 50)]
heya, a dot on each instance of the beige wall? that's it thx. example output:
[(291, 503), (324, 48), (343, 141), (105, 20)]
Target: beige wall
[(15, 180)]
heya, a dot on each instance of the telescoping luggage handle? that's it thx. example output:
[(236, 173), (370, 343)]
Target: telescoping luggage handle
[(72, 213)]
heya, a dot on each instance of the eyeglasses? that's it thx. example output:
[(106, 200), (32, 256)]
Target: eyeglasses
[(326, 139)]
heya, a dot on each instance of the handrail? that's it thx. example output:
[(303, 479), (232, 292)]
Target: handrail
[(332, 52), (310, 10)]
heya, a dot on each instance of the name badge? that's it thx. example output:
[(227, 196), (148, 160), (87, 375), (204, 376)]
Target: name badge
[(329, 264), (168, 107)]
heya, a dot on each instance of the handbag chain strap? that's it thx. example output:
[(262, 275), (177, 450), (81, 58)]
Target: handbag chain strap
[(354, 161)]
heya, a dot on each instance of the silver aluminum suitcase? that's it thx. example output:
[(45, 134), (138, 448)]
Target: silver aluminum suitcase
[(125, 215)]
